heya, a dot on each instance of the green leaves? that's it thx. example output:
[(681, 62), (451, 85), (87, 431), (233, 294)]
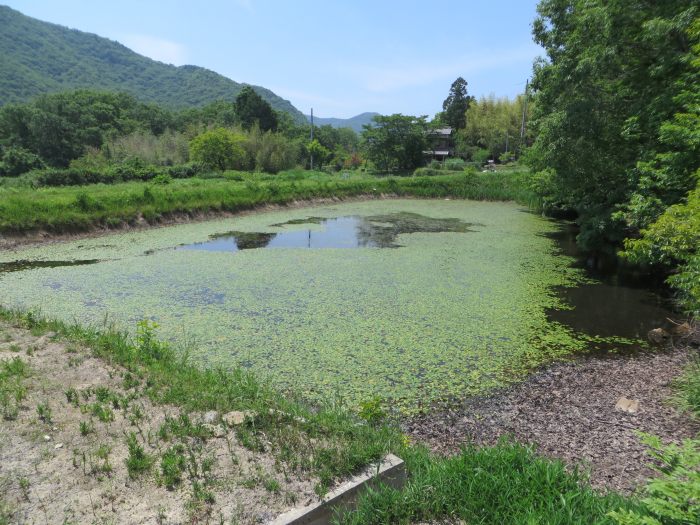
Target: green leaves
[(673, 496), (395, 142), (616, 112), (219, 149)]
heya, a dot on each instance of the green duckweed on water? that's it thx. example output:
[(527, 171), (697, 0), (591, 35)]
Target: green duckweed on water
[(456, 307)]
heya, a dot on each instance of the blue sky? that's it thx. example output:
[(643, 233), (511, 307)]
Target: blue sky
[(339, 57)]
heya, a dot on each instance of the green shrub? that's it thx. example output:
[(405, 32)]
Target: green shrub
[(16, 160), (138, 462), (219, 149), (673, 497), (454, 164), (172, 464), (674, 240), (87, 203), (275, 153), (688, 388)]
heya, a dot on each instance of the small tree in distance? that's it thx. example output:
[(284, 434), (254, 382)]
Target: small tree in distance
[(219, 149), (251, 108), (456, 104), (395, 142)]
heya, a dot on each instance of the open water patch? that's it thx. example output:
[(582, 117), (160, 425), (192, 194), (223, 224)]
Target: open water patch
[(376, 231)]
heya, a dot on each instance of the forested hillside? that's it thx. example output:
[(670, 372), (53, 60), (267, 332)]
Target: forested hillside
[(39, 57), (355, 123)]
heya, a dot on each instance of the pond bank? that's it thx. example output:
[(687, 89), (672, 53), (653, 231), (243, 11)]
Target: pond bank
[(568, 410), (98, 206), (11, 241)]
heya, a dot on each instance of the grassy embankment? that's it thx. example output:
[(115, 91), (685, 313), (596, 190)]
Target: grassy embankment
[(508, 482), (82, 208)]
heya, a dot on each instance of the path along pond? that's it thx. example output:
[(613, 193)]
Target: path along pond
[(411, 301)]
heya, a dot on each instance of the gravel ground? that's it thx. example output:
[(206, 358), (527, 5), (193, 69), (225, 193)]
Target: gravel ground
[(568, 411)]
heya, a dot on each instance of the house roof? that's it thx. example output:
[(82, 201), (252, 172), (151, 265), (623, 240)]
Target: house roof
[(442, 131)]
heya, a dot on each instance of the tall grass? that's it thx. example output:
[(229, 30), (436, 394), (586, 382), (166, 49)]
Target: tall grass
[(64, 209), (506, 483)]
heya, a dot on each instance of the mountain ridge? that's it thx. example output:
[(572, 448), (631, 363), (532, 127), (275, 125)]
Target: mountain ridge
[(41, 57), (354, 123)]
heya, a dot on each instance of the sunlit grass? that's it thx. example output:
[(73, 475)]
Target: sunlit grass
[(81, 208)]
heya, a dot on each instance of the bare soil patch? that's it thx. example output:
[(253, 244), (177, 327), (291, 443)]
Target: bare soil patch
[(568, 410), (67, 461)]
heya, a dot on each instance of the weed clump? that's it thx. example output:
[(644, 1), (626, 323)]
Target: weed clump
[(138, 462)]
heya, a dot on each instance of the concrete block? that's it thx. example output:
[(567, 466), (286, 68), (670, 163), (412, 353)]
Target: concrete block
[(390, 471)]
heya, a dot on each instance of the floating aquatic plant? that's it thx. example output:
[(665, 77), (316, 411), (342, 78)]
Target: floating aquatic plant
[(445, 314)]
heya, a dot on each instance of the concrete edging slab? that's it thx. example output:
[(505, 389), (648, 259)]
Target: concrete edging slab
[(390, 471)]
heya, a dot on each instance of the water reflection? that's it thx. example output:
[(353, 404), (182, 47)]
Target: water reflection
[(623, 301), (378, 231)]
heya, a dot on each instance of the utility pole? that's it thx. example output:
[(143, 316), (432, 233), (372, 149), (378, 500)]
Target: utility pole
[(312, 138), (522, 122)]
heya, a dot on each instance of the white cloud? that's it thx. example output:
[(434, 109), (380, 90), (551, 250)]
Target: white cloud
[(386, 79), (156, 48)]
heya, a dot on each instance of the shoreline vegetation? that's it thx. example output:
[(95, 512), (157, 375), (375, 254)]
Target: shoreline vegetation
[(75, 209), (608, 132)]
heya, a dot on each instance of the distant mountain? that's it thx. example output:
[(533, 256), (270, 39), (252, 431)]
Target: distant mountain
[(355, 122), (38, 57)]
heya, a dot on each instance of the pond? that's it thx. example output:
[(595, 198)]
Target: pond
[(412, 301)]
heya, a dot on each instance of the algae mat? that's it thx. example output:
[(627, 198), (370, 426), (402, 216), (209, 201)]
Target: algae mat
[(457, 306)]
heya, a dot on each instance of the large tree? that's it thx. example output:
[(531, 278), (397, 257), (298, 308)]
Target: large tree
[(615, 72), (251, 108), (455, 106), (395, 142)]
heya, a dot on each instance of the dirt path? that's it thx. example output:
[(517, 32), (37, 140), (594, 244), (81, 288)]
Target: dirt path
[(568, 410), (65, 422)]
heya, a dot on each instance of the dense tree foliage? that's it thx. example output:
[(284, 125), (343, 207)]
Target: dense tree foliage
[(674, 238), (615, 99), (456, 104), (249, 109), (58, 128), (395, 142), (341, 144), (40, 58), (492, 127)]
